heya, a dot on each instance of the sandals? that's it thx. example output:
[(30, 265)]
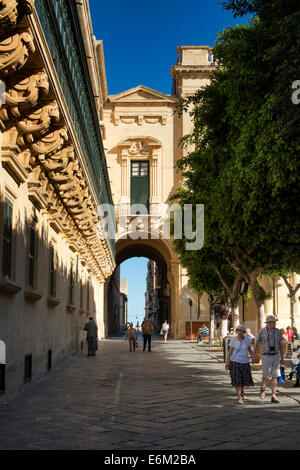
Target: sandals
[(240, 401), (262, 394), (275, 400)]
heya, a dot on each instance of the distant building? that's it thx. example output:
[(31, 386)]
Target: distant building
[(123, 301)]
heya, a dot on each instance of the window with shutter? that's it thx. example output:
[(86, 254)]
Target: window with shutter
[(31, 255), (52, 272), (71, 284), (139, 184), (7, 237), (88, 296)]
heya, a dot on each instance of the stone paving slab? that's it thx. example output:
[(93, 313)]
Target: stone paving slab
[(176, 397)]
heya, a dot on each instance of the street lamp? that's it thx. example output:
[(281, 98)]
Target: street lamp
[(191, 322)]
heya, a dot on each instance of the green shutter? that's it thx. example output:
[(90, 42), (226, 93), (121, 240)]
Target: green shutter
[(140, 187), (71, 286), (7, 237), (31, 257), (52, 272)]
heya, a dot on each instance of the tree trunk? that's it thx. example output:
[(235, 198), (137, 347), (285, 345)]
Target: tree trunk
[(293, 304), (223, 328), (261, 315), (235, 316), (258, 294), (212, 327)]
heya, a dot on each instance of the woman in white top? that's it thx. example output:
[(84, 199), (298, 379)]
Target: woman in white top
[(238, 363), (165, 330)]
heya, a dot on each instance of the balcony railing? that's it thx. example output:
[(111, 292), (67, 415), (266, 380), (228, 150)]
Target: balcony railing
[(61, 25)]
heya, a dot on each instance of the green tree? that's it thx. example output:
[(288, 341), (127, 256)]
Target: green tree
[(245, 167)]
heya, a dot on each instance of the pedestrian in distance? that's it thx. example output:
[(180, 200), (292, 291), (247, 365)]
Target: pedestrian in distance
[(165, 330), (295, 334), (91, 336), (250, 336), (296, 367), (147, 334), (289, 333), (200, 335), (284, 334), (238, 363), (131, 335), (272, 354)]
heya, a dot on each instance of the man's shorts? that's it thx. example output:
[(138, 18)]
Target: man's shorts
[(271, 366)]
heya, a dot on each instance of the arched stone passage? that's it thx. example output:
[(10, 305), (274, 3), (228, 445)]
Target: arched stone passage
[(160, 252)]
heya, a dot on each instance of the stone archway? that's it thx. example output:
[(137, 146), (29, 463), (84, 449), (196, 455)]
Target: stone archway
[(161, 252)]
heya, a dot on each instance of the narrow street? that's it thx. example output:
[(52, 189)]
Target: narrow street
[(176, 397)]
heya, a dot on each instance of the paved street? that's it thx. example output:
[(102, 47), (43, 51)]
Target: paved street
[(176, 397)]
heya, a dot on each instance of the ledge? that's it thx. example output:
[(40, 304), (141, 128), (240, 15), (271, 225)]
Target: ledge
[(12, 164), (53, 302), (71, 308), (32, 295), (82, 311), (8, 287)]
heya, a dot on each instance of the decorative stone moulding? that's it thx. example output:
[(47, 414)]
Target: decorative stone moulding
[(11, 11), (53, 302), (71, 308), (31, 295), (14, 53), (10, 161), (8, 287), (139, 119), (36, 145), (22, 94)]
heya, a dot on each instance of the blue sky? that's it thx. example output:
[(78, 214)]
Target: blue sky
[(140, 41), (135, 270), (141, 38)]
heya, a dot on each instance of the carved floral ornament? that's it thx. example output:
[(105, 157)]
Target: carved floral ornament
[(30, 118), (11, 12), (139, 146)]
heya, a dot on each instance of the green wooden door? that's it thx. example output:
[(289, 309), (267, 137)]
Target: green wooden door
[(140, 187)]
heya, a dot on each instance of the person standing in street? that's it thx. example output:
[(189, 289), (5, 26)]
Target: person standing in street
[(238, 363), (132, 337), (147, 334), (250, 336), (91, 336), (272, 352), (165, 330)]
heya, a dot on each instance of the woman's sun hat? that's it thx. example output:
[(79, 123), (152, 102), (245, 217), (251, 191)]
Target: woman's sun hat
[(241, 327), (270, 318)]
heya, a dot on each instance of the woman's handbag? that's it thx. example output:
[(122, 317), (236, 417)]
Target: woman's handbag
[(281, 379)]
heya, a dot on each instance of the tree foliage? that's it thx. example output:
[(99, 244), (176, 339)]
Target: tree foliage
[(245, 167)]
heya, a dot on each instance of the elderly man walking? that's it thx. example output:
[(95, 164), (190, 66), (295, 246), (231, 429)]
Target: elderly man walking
[(91, 336), (131, 335), (147, 333), (272, 353)]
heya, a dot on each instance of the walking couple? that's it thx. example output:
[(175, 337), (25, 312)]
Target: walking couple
[(147, 335), (238, 361)]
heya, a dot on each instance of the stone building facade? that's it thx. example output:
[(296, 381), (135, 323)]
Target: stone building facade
[(56, 266), (53, 177), (141, 135)]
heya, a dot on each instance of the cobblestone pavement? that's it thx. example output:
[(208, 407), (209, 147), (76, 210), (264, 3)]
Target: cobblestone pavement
[(177, 397)]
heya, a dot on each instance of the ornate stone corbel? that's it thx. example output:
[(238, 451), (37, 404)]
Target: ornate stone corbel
[(37, 124), (11, 12), (14, 53), (51, 143), (22, 94)]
